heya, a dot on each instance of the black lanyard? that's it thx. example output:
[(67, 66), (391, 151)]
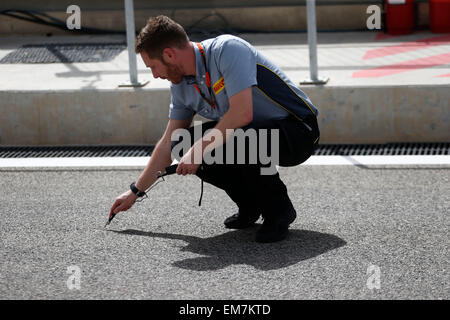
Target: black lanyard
[(208, 80)]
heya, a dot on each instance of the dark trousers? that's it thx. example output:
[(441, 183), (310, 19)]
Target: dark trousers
[(252, 191)]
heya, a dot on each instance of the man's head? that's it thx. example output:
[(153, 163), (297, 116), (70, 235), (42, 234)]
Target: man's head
[(159, 44)]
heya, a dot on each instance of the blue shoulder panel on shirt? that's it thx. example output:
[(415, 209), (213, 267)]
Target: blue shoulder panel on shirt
[(281, 93)]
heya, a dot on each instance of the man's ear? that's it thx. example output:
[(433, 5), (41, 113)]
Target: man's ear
[(169, 55)]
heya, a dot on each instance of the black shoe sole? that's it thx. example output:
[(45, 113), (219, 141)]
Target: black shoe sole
[(237, 223), (239, 226)]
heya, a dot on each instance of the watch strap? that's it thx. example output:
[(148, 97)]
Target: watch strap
[(136, 191)]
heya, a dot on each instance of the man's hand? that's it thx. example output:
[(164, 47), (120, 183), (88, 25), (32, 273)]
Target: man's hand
[(123, 202), (187, 165)]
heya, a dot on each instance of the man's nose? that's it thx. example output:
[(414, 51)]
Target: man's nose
[(155, 74)]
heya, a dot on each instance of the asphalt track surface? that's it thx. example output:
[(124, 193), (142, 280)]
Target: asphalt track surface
[(350, 218)]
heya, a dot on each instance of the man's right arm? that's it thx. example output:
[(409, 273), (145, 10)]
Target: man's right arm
[(160, 159)]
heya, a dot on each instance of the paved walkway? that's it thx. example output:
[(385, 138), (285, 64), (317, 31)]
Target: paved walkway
[(348, 59)]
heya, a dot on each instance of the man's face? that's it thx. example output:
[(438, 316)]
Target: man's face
[(163, 69)]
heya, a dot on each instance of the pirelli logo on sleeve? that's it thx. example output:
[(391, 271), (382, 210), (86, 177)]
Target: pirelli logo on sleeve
[(219, 85)]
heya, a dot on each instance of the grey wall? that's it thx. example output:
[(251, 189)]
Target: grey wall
[(126, 116)]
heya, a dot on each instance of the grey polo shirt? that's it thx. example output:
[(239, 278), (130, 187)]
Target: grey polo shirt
[(234, 65)]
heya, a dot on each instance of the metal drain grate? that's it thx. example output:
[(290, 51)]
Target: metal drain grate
[(75, 151), (389, 149), (145, 151), (64, 53)]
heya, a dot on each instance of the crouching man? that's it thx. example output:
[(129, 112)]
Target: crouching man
[(228, 81)]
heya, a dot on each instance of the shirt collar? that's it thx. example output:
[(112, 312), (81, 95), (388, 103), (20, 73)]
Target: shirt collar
[(200, 71)]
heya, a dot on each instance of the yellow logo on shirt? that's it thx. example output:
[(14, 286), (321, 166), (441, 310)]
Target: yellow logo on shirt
[(219, 85)]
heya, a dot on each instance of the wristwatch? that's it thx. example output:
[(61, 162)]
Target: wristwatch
[(136, 191)]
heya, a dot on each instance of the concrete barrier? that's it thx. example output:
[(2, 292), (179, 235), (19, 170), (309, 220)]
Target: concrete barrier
[(267, 19), (127, 116), (383, 114), (82, 117)]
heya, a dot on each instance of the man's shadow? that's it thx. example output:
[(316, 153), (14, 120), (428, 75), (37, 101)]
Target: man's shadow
[(238, 247)]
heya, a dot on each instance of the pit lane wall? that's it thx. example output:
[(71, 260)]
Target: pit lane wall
[(139, 116)]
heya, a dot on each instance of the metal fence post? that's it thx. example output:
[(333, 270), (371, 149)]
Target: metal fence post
[(131, 40), (312, 44)]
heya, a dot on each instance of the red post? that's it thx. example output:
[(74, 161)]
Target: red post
[(399, 16), (440, 16)]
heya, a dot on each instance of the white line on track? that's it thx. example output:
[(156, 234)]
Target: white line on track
[(142, 161), (379, 160)]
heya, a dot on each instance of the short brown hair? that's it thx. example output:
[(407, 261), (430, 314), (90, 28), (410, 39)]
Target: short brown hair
[(160, 32)]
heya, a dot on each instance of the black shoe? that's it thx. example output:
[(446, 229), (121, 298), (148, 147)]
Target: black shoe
[(240, 221), (276, 228)]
